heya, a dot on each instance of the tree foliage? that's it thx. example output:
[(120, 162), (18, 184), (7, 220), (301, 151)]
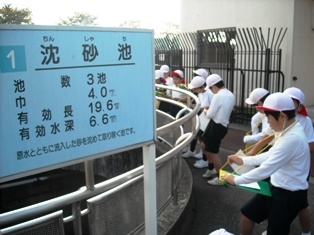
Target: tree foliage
[(10, 15), (170, 27), (79, 19), (131, 24)]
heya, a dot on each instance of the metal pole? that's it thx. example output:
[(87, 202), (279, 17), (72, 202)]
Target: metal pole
[(89, 175), (77, 223), (150, 198)]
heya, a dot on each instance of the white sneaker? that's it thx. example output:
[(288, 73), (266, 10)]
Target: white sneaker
[(215, 181), (188, 154), (199, 155), (210, 173), (201, 164)]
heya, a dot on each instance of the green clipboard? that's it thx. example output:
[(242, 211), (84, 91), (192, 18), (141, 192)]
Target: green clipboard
[(264, 186)]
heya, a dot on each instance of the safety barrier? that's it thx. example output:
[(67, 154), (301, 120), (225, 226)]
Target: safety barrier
[(121, 195)]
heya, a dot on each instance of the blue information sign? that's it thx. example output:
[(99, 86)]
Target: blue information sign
[(70, 93)]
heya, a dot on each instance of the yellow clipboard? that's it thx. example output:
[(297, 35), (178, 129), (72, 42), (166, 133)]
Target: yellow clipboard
[(261, 187)]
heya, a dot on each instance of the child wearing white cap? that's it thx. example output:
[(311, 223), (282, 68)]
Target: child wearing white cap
[(199, 76), (301, 116), (159, 79), (256, 97), (178, 79), (219, 113), (197, 85), (165, 70), (298, 99), (287, 165), (201, 72)]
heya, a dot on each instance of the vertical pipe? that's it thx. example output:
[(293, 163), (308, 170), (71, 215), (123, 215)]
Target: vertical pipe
[(279, 69), (150, 198), (89, 175), (267, 68), (174, 170), (77, 223)]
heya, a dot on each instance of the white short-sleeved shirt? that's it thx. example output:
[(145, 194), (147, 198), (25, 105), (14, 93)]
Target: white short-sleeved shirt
[(177, 94), (169, 82), (256, 134), (287, 162), (205, 98), (307, 125), (221, 107)]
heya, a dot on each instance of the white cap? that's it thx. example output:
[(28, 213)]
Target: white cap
[(197, 81), (295, 93), (165, 68), (158, 74), (277, 102), (177, 73), (201, 72), (212, 80), (256, 95)]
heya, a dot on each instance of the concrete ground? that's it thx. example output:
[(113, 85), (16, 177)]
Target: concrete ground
[(218, 206)]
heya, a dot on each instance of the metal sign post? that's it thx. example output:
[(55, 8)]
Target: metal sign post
[(149, 155)]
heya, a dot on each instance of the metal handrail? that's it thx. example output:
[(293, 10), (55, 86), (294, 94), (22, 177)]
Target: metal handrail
[(84, 193)]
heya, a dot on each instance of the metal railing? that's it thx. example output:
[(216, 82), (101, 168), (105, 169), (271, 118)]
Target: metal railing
[(91, 190), (246, 58)]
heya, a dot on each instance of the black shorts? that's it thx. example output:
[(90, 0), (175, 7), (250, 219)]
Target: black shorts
[(280, 209), (200, 134), (213, 135), (164, 106)]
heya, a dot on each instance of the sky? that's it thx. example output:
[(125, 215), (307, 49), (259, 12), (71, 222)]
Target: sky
[(151, 13)]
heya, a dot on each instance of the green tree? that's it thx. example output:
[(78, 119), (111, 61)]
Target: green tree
[(10, 15), (79, 19)]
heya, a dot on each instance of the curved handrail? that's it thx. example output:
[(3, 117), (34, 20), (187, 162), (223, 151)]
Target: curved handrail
[(84, 193), (178, 122)]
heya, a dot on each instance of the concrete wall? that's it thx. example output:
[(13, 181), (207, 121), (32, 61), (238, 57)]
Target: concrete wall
[(302, 63), (296, 15), (205, 14)]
